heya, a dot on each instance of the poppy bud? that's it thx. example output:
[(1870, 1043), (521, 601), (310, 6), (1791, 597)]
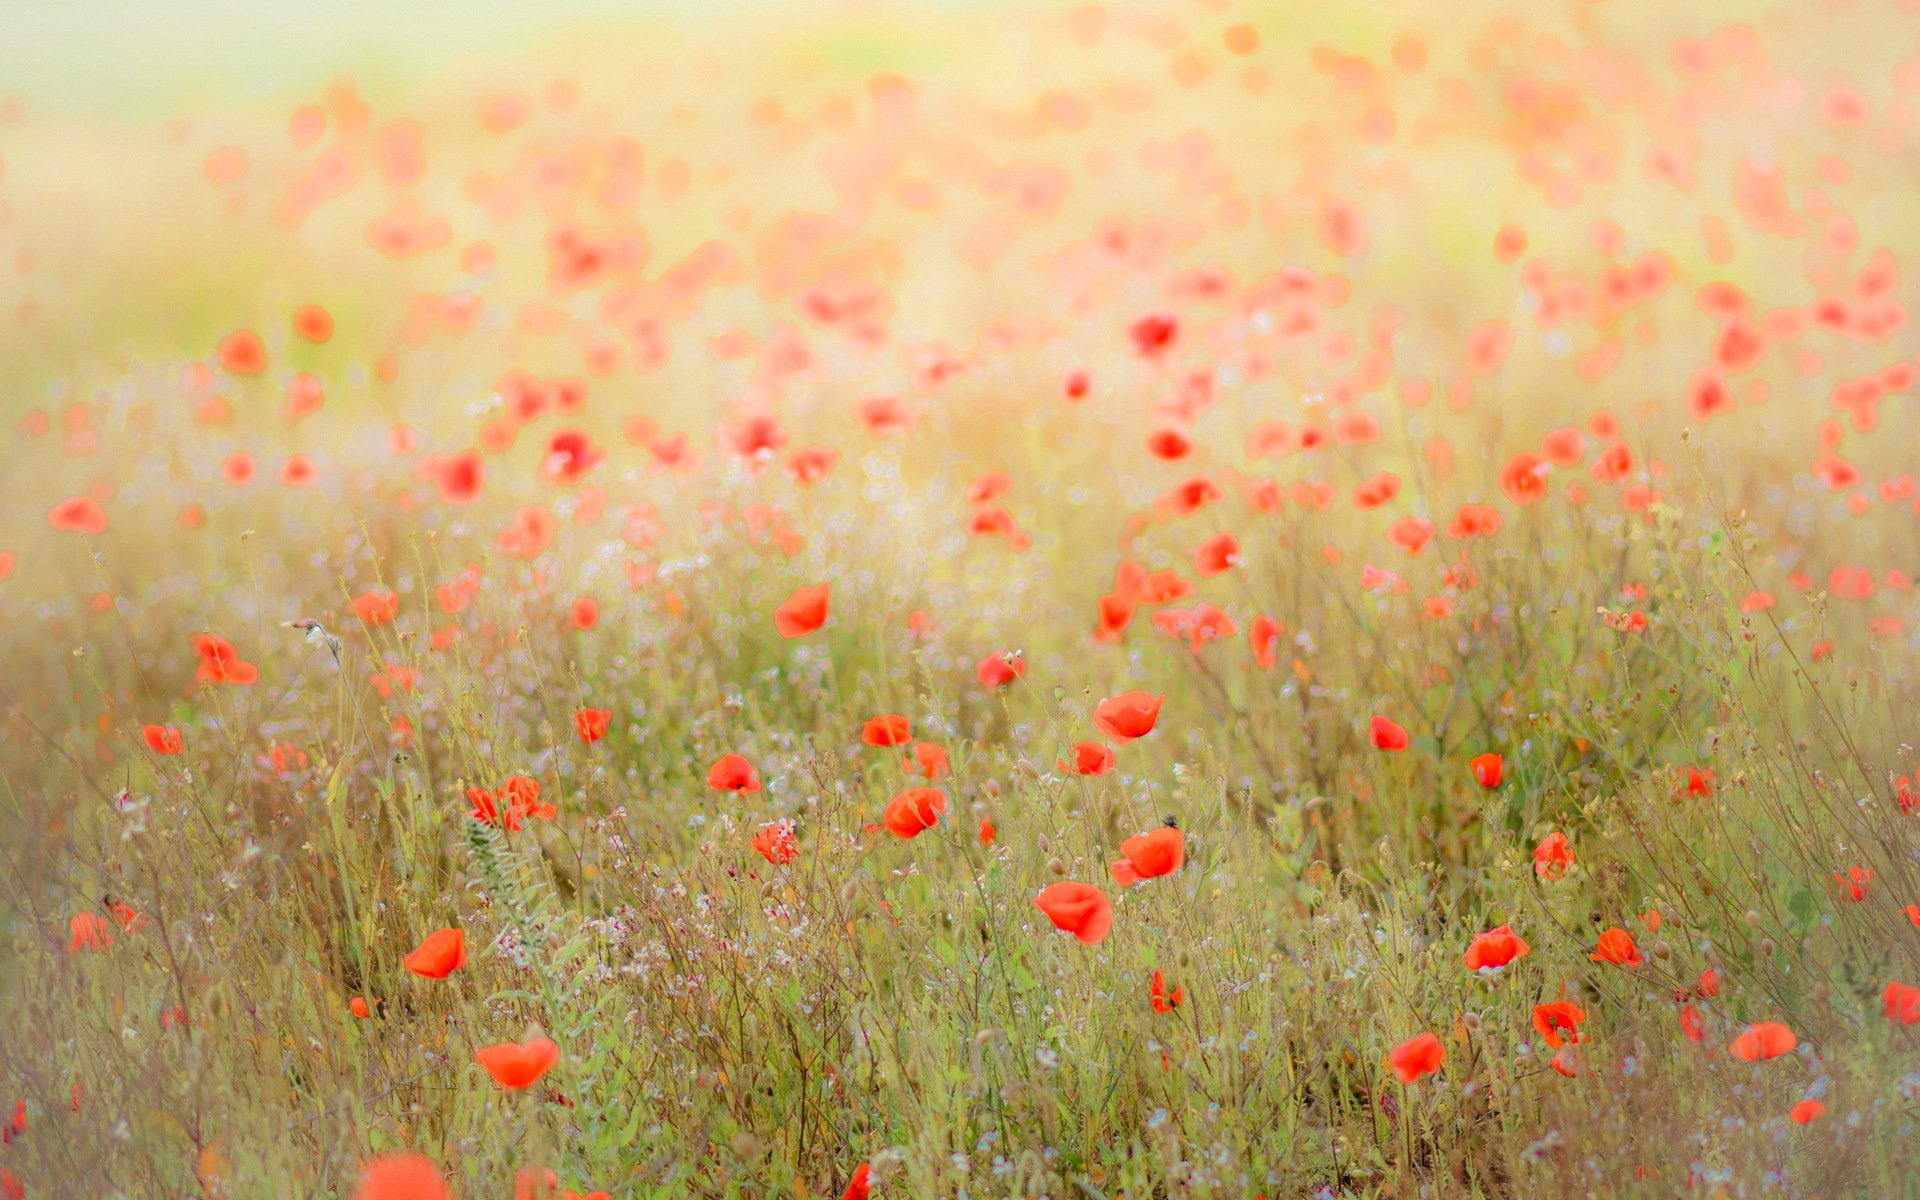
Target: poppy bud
[(1662, 950), (848, 891), (1767, 947), (1045, 843), (1471, 1020), (1056, 867), (745, 1145), (1752, 918), (992, 788)]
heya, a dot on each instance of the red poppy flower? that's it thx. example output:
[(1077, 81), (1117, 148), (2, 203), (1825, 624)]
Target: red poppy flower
[(401, 1177), (162, 739), (1216, 556), (1806, 1112), (1558, 1022), (927, 760), (220, 662), (1150, 855), (241, 353), (1494, 949), (775, 843), (1762, 1041), (442, 953), (88, 931), (1077, 908), (732, 773), (859, 1185), (803, 612), (518, 1065), (1128, 716), (1089, 758), (1616, 946), (1552, 857), (1900, 1003), (887, 729), (1389, 736), (999, 670), (913, 811), (1162, 1000), (376, 608), (592, 723), (1416, 1058), (1488, 770), (78, 514)]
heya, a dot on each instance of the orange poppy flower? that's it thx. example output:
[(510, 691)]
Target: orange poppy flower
[(442, 953), (1417, 1057), (1616, 946), (913, 811), (1089, 758), (1495, 949), (1150, 855), (732, 773), (592, 723), (401, 1177), (1389, 736), (804, 611), (518, 1065), (858, 1186), (1762, 1041), (162, 739), (1552, 857), (1900, 1003), (1077, 908), (887, 729), (1558, 1022), (1488, 770), (1128, 716)]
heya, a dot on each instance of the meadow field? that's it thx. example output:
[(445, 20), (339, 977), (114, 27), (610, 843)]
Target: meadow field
[(1145, 600)]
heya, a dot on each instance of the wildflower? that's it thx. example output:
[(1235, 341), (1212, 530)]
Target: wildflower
[(1900, 1003), (996, 671), (162, 739), (1077, 908), (401, 1177), (518, 1065), (1494, 949), (1416, 1058), (859, 1184), (376, 608), (927, 760), (1389, 736), (913, 811), (1487, 770), (1806, 1112), (1616, 946), (1852, 883), (1552, 857), (1128, 716), (1762, 1041), (732, 773), (1150, 855), (220, 662), (442, 953), (1559, 1022), (592, 723), (775, 842), (1162, 1000), (1089, 758), (90, 931), (887, 729), (804, 611)]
